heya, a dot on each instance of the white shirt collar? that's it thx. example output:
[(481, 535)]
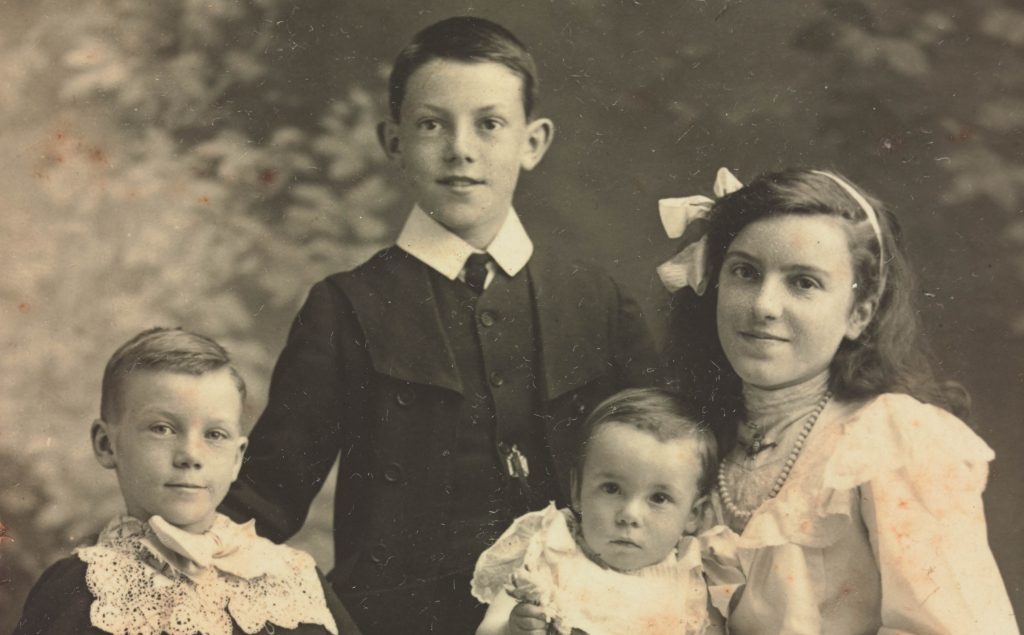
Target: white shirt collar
[(434, 245)]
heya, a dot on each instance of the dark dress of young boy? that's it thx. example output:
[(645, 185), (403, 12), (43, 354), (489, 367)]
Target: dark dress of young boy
[(449, 372)]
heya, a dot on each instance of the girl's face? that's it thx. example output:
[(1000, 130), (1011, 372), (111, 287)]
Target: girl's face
[(637, 495), (786, 299)]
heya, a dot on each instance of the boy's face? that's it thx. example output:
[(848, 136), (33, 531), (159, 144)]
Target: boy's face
[(461, 141), (176, 444), (637, 495)]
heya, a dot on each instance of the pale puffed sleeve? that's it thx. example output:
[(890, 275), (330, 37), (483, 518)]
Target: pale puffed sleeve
[(515, 563), (722, 568), (923, 511)]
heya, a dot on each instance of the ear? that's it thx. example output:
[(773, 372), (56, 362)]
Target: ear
[(700, 515), (539, 134), (387, 136), (102, 445), (860, 317), (243, 445)]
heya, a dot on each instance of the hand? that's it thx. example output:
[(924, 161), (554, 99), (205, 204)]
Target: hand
[(527, 619)]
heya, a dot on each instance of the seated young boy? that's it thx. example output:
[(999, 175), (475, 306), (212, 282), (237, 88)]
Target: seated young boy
[(451, 371), (170, 427)]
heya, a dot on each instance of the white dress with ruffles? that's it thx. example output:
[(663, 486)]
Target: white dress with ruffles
[(879, 528), (538, 560)]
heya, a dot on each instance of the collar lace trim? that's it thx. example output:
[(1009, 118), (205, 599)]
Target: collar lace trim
[(138, 590)]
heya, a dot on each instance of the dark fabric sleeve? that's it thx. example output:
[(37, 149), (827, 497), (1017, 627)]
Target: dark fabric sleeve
[(297, 439), (58, 603), (633, 351), (346, 625)]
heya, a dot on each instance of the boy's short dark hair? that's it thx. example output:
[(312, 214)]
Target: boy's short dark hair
[(466, 39), (662, 414), (164, 349)]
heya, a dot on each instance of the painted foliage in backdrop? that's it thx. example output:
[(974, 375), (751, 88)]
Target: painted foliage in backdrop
[(203, 162)]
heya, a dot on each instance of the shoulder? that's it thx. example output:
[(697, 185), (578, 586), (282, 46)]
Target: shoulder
[(332, 298), (553, 259), (58, 602), (895, 432), (573, 281), (387, 261), (916, 429), (66, 576), (533, 540)]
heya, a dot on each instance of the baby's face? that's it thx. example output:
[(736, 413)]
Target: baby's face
[(176, 445), (636, 495)]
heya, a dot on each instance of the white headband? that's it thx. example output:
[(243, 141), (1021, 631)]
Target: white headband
[(868, 211)]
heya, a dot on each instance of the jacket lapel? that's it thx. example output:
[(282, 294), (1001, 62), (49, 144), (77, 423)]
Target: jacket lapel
[(572, 326), (396, 308)]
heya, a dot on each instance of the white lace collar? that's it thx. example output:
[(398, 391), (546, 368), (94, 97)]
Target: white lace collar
[(142, 588)]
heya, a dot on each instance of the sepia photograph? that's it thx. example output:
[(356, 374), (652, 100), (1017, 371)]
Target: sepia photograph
[(533, 316)]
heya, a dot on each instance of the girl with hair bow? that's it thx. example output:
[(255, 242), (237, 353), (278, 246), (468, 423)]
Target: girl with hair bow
[(855, 487)]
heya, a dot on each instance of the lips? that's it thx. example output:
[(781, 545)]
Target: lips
[(457, 181), (186, 486), (763, 336), (623, 542)]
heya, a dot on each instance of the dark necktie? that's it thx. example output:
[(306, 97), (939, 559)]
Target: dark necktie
[(476, 271)]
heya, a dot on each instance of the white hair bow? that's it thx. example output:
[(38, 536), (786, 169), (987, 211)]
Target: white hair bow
[(688, 268)]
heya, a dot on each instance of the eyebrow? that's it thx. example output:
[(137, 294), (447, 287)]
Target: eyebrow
[(151, 411), (795, 267), (490, 108)]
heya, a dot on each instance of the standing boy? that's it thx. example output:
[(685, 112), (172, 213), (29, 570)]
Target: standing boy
[(450, 371)]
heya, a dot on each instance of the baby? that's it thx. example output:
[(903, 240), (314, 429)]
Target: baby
[(170, 428), (625, 558)]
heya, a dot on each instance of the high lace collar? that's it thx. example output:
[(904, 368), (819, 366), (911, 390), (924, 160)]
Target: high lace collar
[(771, 409), (144, 584), (226, 546)]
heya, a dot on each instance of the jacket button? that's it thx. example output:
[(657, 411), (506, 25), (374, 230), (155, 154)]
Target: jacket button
[(578, 405), (405, 396), (393, 472), (497, 379), (379, 554), (488, 318)]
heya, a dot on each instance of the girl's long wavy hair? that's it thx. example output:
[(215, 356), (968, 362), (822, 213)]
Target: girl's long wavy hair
[(889, 356)]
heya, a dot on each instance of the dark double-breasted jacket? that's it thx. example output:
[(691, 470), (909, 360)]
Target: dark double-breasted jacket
[(367, 379)]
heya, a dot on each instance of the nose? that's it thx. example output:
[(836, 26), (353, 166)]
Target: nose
[(768, 300), (461, 144), (188, 453), (630, 513)]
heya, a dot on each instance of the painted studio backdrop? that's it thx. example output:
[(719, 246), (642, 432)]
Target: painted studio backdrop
[(203, 162)]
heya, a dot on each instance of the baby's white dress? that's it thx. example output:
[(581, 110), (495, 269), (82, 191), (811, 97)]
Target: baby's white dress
[(538, 560)]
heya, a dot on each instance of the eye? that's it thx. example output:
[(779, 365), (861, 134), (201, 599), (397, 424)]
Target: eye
[(744, 271), (806, 283), (610, 488), (428, 125), (217, 435), (660, 498), (491, 124), (161, 429)]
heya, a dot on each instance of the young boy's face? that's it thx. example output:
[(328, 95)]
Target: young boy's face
[(462, 139), (637, 495), (176, 444)]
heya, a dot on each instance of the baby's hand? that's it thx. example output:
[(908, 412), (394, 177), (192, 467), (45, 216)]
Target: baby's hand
[(527, 618)]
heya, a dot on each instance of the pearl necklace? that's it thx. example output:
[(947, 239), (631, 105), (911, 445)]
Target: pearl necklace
[(745, 514)]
